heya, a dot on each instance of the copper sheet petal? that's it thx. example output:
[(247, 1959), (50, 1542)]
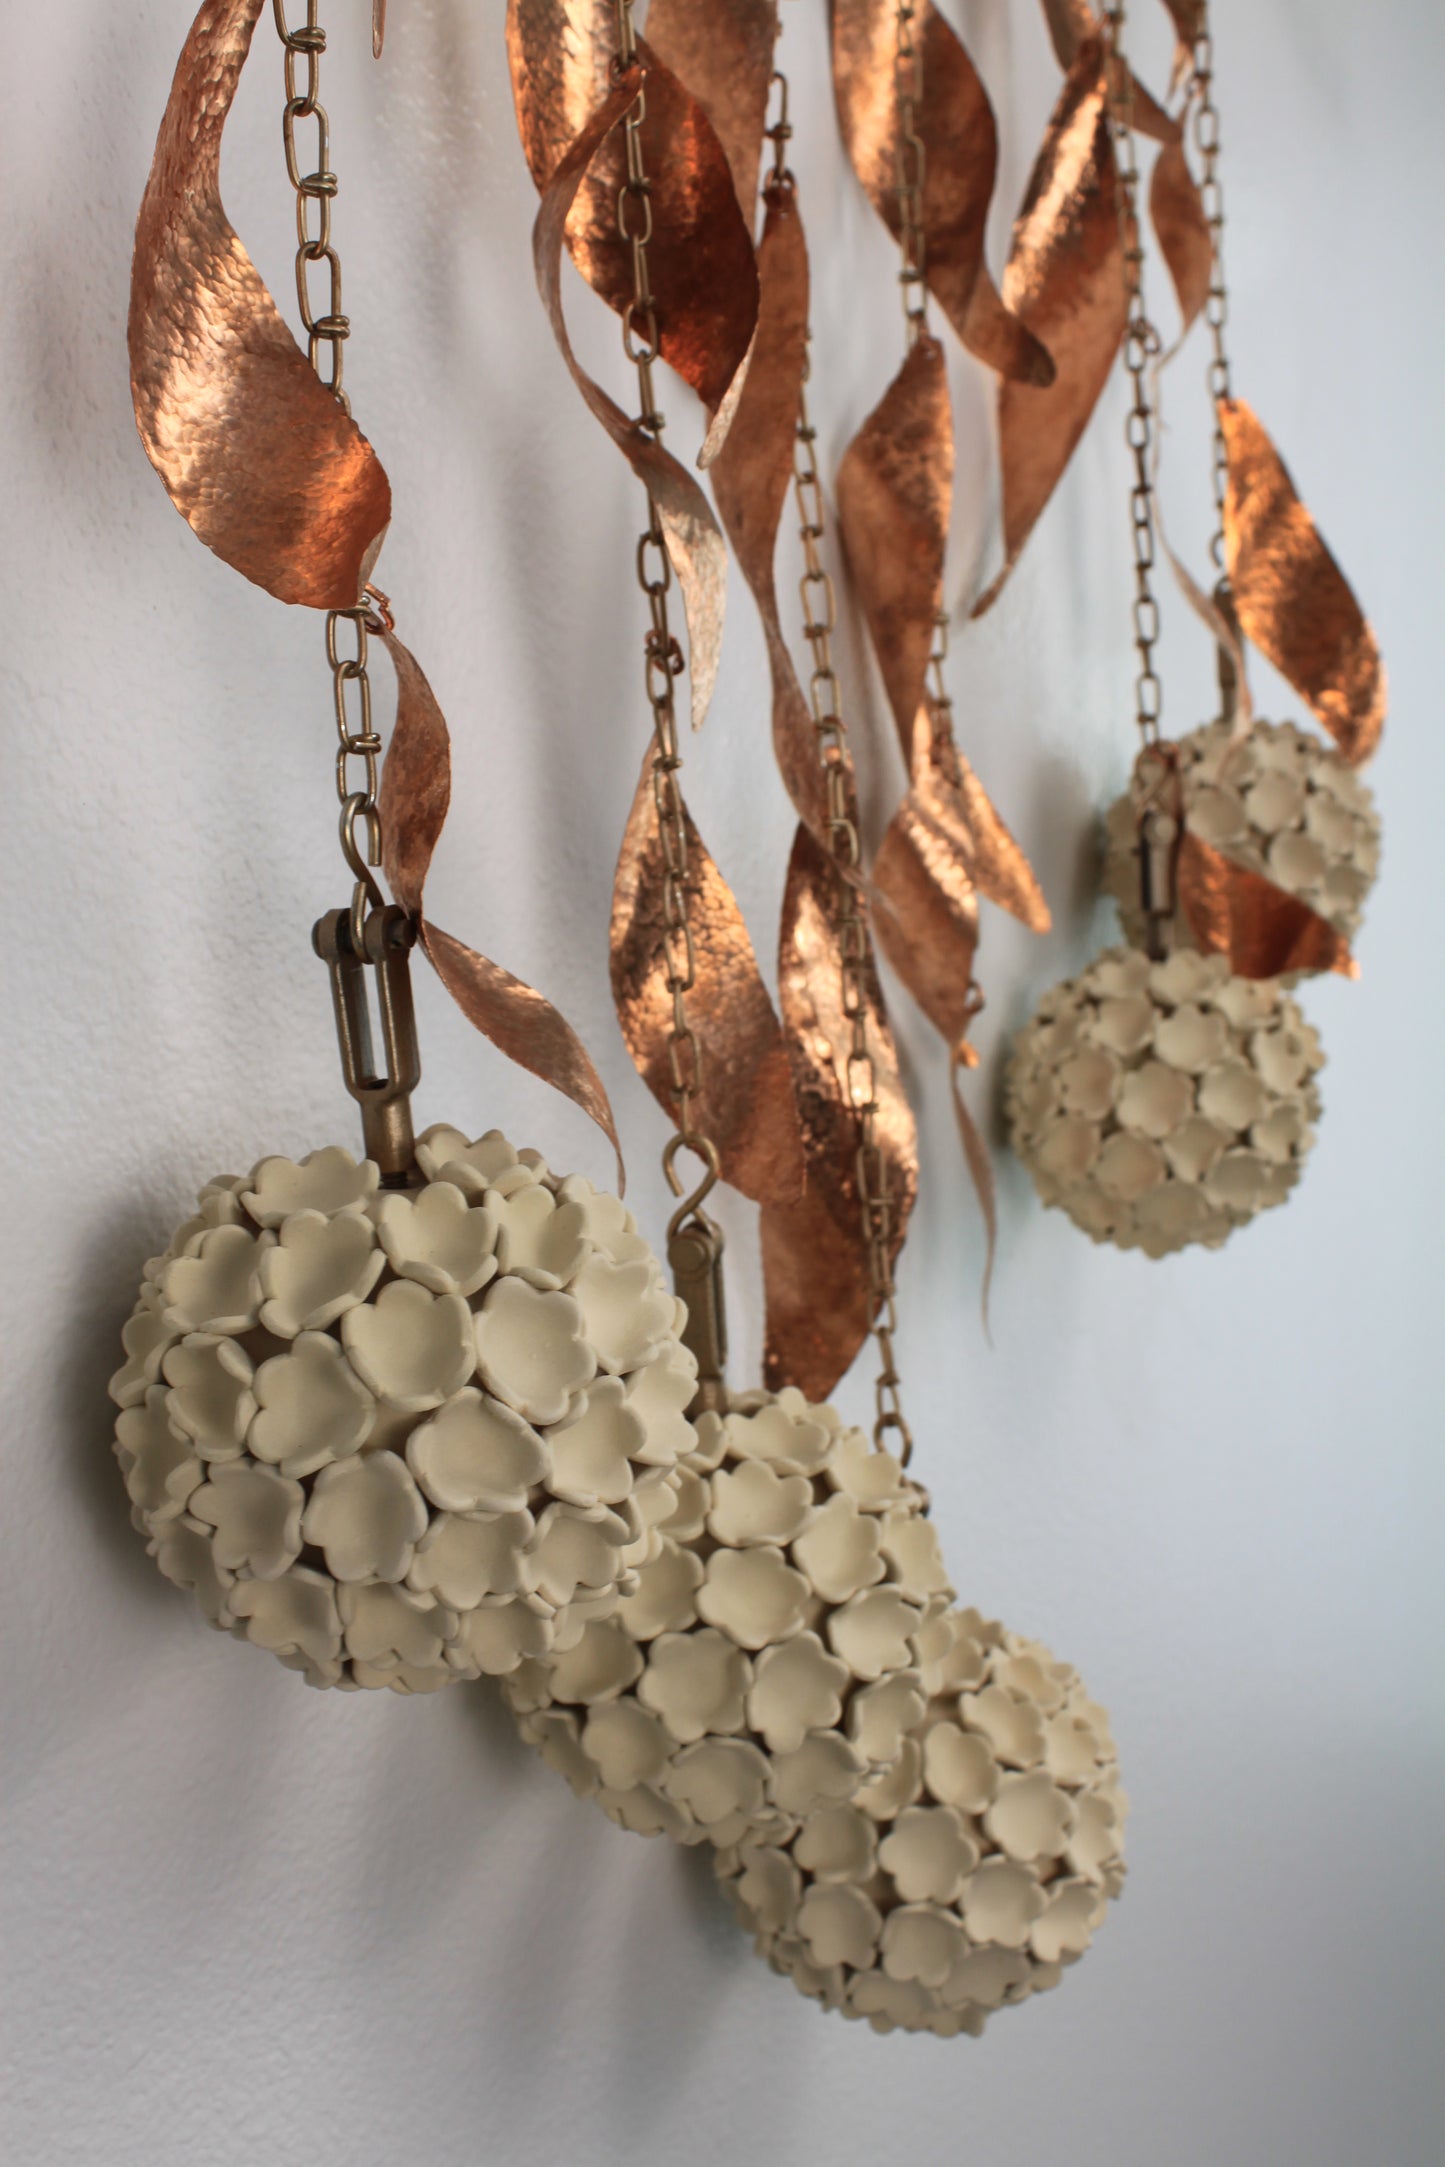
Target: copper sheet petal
[(1177, 212), (926, 916), (412, 805), (894, 489), (1234, 912), (815, 1251), (1070, 23), (960, 139), (725, 57), (960, 809), (378, 27), (753, 476), (700, 256), (1066, 279), (746, 1103), (694, 542), (1293, 600), (257, 456)]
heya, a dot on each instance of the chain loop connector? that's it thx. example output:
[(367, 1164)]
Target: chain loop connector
[(382, 1088), (694, 1257)]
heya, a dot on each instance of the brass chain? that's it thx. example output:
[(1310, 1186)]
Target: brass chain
[(910, 165), (346, 649), (1205, 128), (820, 618), (664, 664), (1141, 347)]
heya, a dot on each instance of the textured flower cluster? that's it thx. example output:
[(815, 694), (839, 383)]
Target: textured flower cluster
[(1163, 1104), (1279, 801), (769, 1661), (403, 1437), (970, 1872)]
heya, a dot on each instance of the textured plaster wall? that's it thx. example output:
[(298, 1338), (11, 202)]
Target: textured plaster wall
[(244, 1922)]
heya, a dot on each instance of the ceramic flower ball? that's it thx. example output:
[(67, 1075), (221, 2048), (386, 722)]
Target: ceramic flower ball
[(769, 1660), (403, 1437), (1163, 1104), (968, 1874), (1278, 801)]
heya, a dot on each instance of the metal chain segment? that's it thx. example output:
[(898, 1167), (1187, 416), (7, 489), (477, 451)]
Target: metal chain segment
[(664, 665), (910, 164), (1205, 128), (346, 649)]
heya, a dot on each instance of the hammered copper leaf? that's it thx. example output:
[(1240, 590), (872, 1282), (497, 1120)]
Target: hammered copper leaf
[(256, 454), (700, 256), (412, 807), (1177, 211), (1235, 912), (1071, 23), (746, 1102), (378, 27), (925, 915), (725, 57), (815, 1250), (958, 806), (1293, 600), (894, 489), (956, 125), (753, 476), (694, 542), (1066, 279)]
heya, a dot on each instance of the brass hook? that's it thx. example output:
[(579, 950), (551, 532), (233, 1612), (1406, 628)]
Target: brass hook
[(383, 1093)]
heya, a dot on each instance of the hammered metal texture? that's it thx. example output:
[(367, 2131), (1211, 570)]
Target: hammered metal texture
[(725, 57), (1176, 210)]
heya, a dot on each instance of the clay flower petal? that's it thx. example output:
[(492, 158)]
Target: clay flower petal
[(439, 1239), (367, 1515), (910, 1544), (157, 1459), (530, 1349), (476, 1455), (797, 1688), (145, 1337), (1000, 1903), (411, 1348), (603, 1665), (210, 1398), (1067, 1926), (825, 1769), (1155, 1099), (754, 1504), (754, 1595), (769, 1888), (606, 1221), (217, 1288), (873, 1632), (464, 1561), (626, 1310), (837, 1843), (1094, 1840), (697, 1683), (660, 1394), (959, 1767), (928, 1851), (665, 1599), (388, 1626), (312, 1407), (576, 1547), (885, 1795), (780, 1431), (591, 1455), (328, 1181), (625, 1744), (872, 1479), (840, 1925), (922, 1944), (718, 1779), (498, 1637), (295, 1615), (182, 1550), (1014, 1728), (317, 1268), (537, 1238), (256, 1514), (842, 1551), (984, 1978), (882, 1715)]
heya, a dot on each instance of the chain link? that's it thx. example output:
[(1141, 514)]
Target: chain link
[(910, 165), (664, 664), (1141, 349), (347, 630), (1205, 129)]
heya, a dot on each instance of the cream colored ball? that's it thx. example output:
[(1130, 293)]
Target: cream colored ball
[(970, 1873), (1163, 1104), (401, 1437), (1280, 802), (769, 1661)]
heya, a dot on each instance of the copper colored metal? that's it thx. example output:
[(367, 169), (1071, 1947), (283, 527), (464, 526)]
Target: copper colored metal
[(1179, 219), (894, 490), (815, 1251), (1234, 912), (1066, 279), (725, 57), (700, 249), (1293, 600), (925, 915), (745, 1105), (260, 459), (955, 124), (412, 807), (959, 807), (378, 27), (1071, 23), (754, 472), (694, 541)]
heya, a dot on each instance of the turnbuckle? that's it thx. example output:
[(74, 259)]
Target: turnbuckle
[(1159, 814), (694, 1256), (384, 1093)]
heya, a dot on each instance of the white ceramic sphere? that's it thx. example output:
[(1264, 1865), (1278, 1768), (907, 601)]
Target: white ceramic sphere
[(1163, 1104), (1279, 801), (401, 1437), (769, 1661), (968, 1875)]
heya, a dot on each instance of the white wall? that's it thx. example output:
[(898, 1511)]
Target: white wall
[(249, 1922)]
